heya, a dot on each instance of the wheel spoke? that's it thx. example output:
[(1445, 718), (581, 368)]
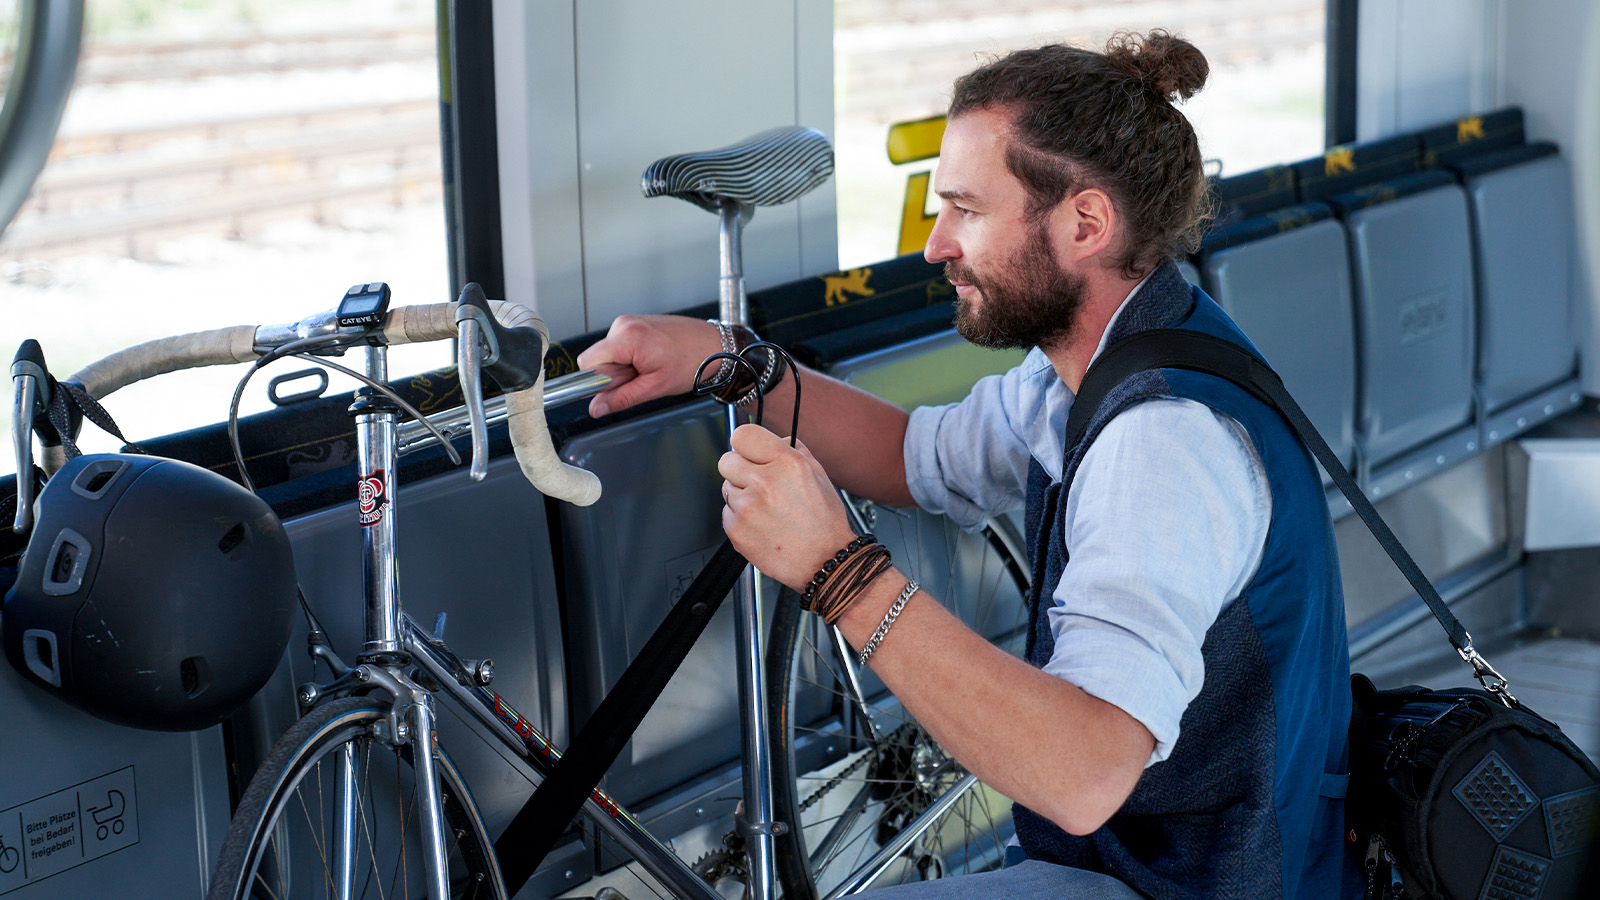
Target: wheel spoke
[(859, 794), (294, 801)]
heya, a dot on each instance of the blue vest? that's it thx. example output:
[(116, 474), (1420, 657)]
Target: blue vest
[(1241, 808)]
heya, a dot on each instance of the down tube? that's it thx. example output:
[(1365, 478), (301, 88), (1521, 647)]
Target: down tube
[(518, 734)]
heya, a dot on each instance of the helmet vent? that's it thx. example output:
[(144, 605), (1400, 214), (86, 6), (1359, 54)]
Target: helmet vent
[(196, 675), (92, 482), (231, 541)]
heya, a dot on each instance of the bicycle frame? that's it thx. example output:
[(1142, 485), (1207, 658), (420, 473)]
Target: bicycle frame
[(400, 660), (393, 642)]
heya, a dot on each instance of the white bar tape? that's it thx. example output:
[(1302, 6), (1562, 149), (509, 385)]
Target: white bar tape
[(221, 346), (420, 324), (530, 435), (437, 321), (536, 454)]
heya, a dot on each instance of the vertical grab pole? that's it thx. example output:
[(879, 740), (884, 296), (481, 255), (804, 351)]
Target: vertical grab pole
[(375, 447), (757, 823)]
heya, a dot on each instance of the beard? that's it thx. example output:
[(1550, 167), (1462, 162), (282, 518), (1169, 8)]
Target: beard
[(1033, 302)]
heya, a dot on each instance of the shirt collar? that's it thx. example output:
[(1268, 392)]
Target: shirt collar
[(1101, 347)]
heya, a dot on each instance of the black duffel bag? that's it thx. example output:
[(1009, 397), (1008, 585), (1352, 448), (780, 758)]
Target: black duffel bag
[(1457, 794)]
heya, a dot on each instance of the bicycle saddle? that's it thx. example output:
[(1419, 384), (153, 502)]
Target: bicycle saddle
[(765, 169)]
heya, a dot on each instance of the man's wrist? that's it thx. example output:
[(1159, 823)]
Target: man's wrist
[(862, 618)]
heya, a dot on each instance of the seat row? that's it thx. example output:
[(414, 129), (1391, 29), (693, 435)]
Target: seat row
[(1414, 293)]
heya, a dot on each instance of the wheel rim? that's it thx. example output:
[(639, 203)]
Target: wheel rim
[(292, 854), (852, 795)]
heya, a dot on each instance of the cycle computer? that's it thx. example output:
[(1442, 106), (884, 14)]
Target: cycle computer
[(364, 305)]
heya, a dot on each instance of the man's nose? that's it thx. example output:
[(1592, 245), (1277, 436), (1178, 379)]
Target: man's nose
[(941, 246)]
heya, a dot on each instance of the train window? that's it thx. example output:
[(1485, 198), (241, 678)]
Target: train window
[(225, 163), (894, 61)]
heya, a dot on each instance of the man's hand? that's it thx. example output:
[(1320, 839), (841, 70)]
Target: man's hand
[(663, 352), (782, 512)]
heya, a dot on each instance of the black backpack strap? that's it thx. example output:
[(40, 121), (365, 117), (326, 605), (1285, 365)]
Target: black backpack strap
[(1177, 348)]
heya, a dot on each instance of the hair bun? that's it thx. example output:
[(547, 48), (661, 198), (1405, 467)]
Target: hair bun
[(1168, 64)]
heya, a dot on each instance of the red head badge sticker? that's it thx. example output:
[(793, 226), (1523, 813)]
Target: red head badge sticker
[(371, 498)]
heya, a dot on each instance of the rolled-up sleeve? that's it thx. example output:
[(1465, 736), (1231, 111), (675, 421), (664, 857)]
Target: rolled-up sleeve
[(1166, 521), (969, 460)]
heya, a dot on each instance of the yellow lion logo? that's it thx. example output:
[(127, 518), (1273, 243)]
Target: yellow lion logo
[(839, 284)]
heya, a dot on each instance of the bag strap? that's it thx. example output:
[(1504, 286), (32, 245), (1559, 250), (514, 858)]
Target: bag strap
[(1178, 348)]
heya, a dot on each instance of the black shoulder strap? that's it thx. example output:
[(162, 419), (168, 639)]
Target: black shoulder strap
[(1177, 348)]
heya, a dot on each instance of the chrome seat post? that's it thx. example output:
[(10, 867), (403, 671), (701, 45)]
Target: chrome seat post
[(756, 823)]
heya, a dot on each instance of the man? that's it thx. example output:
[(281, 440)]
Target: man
[(1179, 727)]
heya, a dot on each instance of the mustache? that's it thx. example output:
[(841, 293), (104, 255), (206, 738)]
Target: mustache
[(954, 271)]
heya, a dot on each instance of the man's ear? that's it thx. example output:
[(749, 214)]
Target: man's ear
[(1087, 225)]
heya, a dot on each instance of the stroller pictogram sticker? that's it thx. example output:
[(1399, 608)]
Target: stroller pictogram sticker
[(108, 818)]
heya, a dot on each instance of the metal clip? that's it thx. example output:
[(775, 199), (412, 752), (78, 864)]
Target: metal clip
[(1492, 681)]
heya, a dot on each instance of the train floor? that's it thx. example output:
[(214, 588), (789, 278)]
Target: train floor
[(1556, 676)]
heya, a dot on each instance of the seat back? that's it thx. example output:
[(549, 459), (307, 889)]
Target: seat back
[(1290, 292), (1411, 256), (1521, 206), (626, 560)]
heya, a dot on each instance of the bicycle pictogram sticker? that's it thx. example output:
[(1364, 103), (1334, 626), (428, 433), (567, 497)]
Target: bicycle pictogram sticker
[(9, 857)]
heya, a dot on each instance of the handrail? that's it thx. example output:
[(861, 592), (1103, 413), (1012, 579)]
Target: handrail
[(50, 34)]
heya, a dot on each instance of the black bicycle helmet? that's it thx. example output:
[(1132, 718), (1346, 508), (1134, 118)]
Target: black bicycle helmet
[(153, 593)]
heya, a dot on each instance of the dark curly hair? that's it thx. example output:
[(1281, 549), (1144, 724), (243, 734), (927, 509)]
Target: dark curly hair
[(1088, 119)]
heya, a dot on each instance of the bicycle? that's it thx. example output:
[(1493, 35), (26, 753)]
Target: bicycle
[(345, 805)]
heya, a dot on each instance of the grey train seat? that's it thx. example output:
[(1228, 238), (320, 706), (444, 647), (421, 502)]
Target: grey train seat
[(1411, 262), (1520, 202), (1283, 275), (627, 559), (92, 809), (480, 553), (1519, 196)]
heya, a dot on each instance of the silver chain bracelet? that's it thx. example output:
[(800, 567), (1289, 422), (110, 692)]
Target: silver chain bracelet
[(888, 621), (725, 332)]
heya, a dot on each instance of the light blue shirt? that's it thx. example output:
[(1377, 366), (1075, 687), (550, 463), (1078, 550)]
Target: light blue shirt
[(1166, 521)]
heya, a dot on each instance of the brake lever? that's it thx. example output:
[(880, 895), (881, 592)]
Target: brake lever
[(29, 373), (469, 367), (513, 357)]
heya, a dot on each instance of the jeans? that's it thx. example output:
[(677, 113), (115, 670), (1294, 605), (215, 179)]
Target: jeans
[(1030, 879)]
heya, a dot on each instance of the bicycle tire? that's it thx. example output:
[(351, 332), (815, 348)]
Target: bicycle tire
[(823, 765), (275, 848)]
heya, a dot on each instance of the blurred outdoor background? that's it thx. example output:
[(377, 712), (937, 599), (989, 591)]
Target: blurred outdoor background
[(244, 161)]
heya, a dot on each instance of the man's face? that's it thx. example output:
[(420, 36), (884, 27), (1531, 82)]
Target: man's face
[(1011, 288)]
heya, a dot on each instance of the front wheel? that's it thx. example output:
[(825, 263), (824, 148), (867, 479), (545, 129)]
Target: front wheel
[(871, 797), (284, 840)]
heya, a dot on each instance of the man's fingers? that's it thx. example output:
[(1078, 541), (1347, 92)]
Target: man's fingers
[(606, 351), (815, 466), (632, 391), (735, 469), (757, 444)]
